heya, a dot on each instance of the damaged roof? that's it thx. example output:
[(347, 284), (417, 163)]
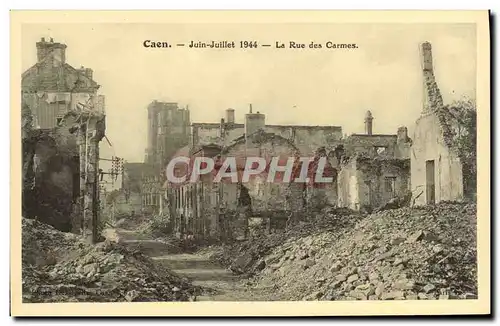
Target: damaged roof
[(43, 76)]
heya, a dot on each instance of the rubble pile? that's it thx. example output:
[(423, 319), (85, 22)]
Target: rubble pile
[(420, 253), (247, 257), (42, 244), (106, 272)]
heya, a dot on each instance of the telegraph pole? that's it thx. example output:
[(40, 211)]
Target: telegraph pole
[(88, 142), (95, 196), (89, 125)]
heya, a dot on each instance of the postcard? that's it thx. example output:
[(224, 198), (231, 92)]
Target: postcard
[(250, 163)]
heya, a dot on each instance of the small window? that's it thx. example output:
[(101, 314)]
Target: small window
[(58, 121), (390, 184), (380, 150)]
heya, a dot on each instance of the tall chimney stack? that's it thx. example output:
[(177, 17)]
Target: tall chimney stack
[(230, 116), (427, 57), (254, 122), (57, 50), (368, 123), (432, 98), (402, 134)]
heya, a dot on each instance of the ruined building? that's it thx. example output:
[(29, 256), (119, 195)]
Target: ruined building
[(223, 209), (168, 130), (436, 168), (306, 138), (369, 170), (63, 123), (375, 168)]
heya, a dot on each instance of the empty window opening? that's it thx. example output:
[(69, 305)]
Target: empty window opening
[(380, 150), (390, 185)]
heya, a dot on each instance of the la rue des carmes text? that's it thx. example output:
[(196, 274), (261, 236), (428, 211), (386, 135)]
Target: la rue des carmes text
[(251, 44)]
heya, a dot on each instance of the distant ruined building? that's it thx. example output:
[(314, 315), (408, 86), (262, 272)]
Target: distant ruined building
[(222, 210), (63, 123), (168, 130), (369, 170)]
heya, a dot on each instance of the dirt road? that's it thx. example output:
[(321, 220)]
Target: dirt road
[(220, 283)]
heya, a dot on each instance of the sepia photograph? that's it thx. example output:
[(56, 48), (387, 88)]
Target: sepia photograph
[(261, 158)]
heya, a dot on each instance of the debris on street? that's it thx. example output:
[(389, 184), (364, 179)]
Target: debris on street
[(106, 272), (414, 254)]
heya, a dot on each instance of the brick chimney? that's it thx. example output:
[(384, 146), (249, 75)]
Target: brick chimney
[(57, 50), (87, 72), (254, 122), (230, 116), (368, 123), (427, 57), (402, 134), (432, 95)]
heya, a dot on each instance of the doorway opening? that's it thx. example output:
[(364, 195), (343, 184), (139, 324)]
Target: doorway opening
[(430, 182)]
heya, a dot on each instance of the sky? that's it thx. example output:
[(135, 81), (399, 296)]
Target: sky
[(290, 86)]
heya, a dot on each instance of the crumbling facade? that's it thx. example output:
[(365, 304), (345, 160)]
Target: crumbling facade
[(51, 186), (374, 168), (436, 169), (52, 88), (367, 183), (369, 170), (222, 210), (306, 138), (63, 100)]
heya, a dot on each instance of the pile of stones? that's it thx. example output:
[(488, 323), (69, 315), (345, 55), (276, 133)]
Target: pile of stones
[(106, 272), (419, 253)]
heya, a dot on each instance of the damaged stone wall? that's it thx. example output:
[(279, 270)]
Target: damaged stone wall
[(429, 148), (459, 124), (382, 180), (306, 138), (348, 187), (265, 196), (58, 98), (52, 195), (368, 183), (48, 108), (380, 145), (210, 133), (444, 144)]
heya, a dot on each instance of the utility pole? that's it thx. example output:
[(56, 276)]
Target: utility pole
[(95, 197), (90, 129), (105, 199), (88, 143)]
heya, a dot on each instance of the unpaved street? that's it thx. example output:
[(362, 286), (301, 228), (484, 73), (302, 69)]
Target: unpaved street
[(220, 283)]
